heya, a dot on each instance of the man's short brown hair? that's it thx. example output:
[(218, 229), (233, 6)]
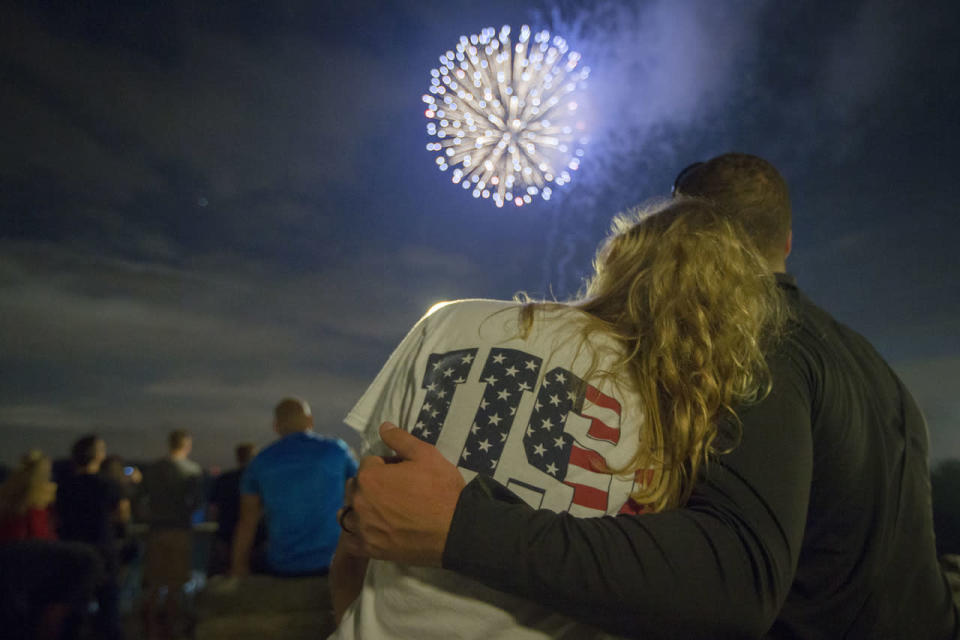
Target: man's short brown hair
[(177, 438), (749, 189), (84, 450), (244, 453)]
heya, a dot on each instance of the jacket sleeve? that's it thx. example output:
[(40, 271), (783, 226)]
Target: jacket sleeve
[(719, 567)]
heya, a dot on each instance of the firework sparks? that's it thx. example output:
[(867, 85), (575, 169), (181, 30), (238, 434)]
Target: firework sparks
[(505, 117)]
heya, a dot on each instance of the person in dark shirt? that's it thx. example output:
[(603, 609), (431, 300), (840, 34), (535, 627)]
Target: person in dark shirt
[(816, 524), (224, 508), (88, 508), (62, 468), (172, 490)]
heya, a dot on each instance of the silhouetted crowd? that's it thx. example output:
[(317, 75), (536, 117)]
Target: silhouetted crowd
[(80, 536), (69, 556)]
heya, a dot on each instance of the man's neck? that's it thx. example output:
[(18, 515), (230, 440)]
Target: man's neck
[(178, 455)]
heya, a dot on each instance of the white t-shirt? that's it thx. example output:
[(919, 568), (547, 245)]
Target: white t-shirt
[(518, 410)]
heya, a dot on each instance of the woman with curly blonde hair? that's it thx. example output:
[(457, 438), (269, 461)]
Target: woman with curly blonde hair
[(25, 499), (45, 584), (694, 308), (606, 404)]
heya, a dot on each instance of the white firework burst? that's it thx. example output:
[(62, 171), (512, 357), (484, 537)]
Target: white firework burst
[(506, 117)]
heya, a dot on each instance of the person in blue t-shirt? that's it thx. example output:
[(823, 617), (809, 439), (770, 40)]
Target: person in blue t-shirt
[(297, 483)]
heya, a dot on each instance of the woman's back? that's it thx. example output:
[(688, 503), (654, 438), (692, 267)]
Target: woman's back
[(515, 408)]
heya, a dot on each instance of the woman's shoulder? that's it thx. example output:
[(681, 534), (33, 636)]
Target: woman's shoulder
[(463, 310), (486, 305), (467, 305)]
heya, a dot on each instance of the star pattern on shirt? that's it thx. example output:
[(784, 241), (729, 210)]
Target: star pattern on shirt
[(444, 372), (546, 443), (507, 375)]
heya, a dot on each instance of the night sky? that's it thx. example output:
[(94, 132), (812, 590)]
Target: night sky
[(206, 208)]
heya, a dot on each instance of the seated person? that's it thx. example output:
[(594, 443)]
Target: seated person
[(297, 483), (224, 508)]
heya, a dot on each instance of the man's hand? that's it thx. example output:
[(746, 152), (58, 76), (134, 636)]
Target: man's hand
[(400, 509)]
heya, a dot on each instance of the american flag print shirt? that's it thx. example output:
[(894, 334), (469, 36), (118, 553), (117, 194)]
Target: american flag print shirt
[(521, 410), (515, 409)]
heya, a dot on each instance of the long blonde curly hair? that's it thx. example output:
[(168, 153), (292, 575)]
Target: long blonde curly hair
[(695, 308), (28, 486)]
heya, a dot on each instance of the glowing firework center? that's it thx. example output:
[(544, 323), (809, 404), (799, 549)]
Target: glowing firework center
[(505, 117)]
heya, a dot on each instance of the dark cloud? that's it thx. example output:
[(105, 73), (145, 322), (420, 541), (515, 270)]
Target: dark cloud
[(253, 133)]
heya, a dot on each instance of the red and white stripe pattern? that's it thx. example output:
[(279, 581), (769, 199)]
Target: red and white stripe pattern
[(595, 423)]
